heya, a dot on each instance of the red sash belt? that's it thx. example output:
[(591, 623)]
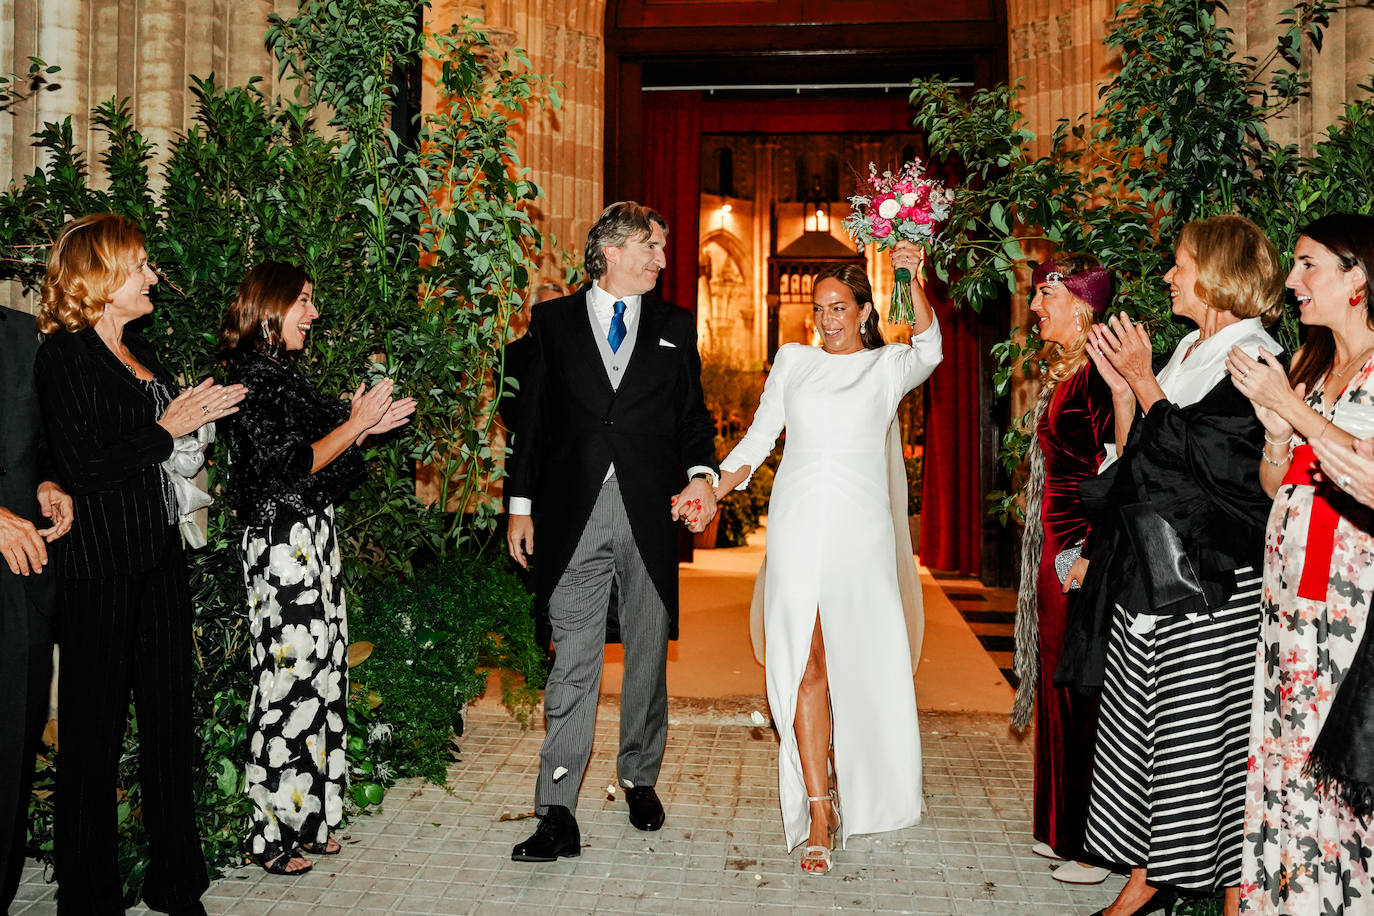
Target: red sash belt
[(1321, 528)]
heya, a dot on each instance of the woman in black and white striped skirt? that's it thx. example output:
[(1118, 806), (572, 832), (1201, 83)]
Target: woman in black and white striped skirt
[(1169, 616)]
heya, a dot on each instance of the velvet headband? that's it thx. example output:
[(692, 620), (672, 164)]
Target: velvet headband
[(1093, 286)]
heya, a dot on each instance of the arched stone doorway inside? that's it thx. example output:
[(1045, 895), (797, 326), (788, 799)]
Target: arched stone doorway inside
[(681, 70)]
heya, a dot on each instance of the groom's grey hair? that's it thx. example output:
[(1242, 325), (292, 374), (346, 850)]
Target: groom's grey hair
[(616, 225)]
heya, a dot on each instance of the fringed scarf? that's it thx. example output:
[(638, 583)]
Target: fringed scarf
[(1342, 759), (1026, 662)]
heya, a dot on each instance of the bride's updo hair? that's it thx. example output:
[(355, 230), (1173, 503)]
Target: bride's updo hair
[(854, 277)]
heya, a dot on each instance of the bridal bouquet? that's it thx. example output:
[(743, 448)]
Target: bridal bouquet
[(904, 205)]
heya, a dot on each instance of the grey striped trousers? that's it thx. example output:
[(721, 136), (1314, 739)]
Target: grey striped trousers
[(577, 614)]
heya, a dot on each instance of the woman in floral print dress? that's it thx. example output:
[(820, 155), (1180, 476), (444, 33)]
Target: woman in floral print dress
[(293, 452), (1305, 850)]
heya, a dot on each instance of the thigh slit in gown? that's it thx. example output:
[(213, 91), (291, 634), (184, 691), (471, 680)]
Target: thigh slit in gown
[(830, 555)]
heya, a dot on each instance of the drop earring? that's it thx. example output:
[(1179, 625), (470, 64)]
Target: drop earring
[(269, 344), (1356, 299), (1077, 322)]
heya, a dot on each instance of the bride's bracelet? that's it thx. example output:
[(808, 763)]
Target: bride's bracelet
[(1277, 441)]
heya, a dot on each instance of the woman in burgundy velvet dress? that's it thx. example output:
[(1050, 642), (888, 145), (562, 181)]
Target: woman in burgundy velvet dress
[(1073, 425)]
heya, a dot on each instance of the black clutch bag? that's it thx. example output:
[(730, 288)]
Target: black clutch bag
[(1170, 579)]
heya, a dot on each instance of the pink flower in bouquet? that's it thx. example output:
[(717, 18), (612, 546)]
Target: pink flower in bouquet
[(921, 215), (904, 187), (882, 228)]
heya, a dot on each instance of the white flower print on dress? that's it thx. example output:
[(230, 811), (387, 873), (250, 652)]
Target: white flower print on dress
[(296, 726), (296, 561), (328, 684), (333, 803), (301, 717), (278, 754), (294, 801), (263, 610), (338, 761)]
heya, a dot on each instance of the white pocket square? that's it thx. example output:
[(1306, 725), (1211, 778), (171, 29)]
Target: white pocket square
[(666, 343)]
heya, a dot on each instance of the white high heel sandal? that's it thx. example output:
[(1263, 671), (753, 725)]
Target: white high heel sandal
[(823, 856)]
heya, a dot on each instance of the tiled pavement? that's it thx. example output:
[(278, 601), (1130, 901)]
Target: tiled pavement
[(446, 851)]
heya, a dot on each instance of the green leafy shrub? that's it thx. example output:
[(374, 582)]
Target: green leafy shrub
[(1182, 132), (419, 253), (434, 637)]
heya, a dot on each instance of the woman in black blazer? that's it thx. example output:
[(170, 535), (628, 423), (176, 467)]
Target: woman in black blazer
[(124, 619)]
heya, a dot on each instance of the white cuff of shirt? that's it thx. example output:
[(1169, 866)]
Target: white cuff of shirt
[(521, 505), (711, 476)]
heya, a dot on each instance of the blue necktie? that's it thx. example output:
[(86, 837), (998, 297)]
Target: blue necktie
[(617, 335)]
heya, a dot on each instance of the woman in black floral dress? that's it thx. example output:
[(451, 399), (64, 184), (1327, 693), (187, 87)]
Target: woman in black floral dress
[(293, 452)]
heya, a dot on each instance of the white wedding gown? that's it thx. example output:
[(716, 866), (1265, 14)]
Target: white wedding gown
[(831, 550)]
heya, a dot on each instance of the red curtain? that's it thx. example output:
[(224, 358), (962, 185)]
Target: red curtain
[(951, 505), (673, 122), (672, 184)]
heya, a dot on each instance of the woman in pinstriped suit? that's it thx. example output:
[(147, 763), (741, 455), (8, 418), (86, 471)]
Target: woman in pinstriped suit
[(124, 619)]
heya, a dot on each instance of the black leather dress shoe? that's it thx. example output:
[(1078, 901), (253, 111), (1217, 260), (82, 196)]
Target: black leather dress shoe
[(646, 811), (556, 837)]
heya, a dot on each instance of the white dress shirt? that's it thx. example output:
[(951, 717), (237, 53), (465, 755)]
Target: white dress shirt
[(603, 309)]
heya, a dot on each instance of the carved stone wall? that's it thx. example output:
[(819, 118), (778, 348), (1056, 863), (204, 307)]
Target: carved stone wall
[(1056, 48), (142, 50), (147, 51)]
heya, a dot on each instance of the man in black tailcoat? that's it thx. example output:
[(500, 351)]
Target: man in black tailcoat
[(612, 424)]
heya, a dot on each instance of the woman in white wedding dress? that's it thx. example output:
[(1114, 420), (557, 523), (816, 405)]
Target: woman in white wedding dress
[(837, 644)]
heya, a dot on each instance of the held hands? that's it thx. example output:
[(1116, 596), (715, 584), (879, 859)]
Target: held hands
[(1350, 468), (205, 403), (23, 545), (695, 506)]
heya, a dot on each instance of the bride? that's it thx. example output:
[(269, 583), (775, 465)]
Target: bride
[(833, 596)]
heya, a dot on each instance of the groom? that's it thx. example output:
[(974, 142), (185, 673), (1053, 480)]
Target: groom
[(611, 424)]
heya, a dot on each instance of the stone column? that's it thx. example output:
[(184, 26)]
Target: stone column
[(563, 148)]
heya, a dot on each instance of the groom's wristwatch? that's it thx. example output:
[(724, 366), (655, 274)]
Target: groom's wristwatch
[(711, 479)]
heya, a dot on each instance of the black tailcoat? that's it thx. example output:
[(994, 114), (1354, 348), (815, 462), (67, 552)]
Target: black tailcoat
[(573, 425)]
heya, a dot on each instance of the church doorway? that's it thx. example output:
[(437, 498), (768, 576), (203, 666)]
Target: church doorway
[(739, 120)]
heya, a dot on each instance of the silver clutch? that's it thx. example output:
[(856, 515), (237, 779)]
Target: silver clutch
[(1064, 562)]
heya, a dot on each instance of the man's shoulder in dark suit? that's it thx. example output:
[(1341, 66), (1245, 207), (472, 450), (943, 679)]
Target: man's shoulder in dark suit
[(18, 328), (559, 311)]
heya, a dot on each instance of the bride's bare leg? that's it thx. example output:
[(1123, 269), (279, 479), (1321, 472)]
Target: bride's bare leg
[(812, 727)]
